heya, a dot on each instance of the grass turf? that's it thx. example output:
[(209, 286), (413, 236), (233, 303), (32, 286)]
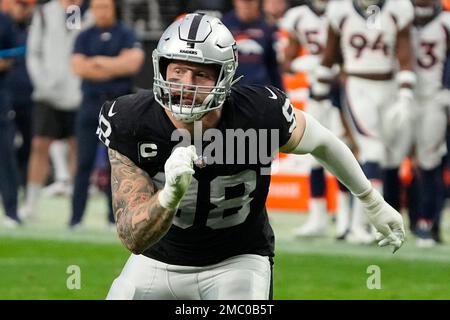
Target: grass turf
[(37, 269), (34, 261), (311, 276)]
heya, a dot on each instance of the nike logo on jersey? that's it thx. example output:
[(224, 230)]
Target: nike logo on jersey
[(272, 94), (110, 112)]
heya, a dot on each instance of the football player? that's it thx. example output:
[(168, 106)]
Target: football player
[(197, 227), (373, 38), (431, 38), (307, 27)]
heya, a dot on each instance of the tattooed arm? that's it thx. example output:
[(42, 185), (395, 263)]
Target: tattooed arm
[(141, 220)]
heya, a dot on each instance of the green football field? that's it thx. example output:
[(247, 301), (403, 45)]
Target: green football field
[(37, 261)]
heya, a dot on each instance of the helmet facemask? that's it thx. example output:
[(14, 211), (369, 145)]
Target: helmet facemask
[(170, 95)]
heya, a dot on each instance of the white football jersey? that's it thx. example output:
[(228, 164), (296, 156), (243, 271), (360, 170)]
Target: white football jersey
[(309, 28), (368, 44), (430, 46)]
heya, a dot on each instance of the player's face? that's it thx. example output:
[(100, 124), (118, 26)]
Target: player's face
[(188, 73)]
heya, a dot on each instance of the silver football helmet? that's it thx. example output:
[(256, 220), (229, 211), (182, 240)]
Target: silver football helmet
[(195, 38)]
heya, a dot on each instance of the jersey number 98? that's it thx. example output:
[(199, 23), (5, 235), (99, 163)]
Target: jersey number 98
[(229, 200)]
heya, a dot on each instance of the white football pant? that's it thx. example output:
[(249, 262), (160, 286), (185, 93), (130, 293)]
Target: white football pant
[(367, 102), (242, 277)]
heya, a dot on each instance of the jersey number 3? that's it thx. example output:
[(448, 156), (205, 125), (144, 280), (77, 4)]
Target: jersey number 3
[(428, 58)]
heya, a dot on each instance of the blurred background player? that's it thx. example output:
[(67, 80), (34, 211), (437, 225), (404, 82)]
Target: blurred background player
[(373, 38), (307, 27), (106, 56), (274, 11), (56, 90), (8, 165), (255, 41), (431, 39), (19, 85)]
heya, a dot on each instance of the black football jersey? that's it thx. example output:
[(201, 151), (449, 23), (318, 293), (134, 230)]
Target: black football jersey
[(223, 212)]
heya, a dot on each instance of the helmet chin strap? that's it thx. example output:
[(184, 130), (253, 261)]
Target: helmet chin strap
[(187, 117), (236, 80), (190, 120)]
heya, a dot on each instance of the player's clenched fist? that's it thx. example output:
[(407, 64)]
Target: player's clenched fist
[(178, 171), (385, 219)]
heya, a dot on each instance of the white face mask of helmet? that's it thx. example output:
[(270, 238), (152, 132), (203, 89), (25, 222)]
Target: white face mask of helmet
[(424, 12), (196, 38)]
